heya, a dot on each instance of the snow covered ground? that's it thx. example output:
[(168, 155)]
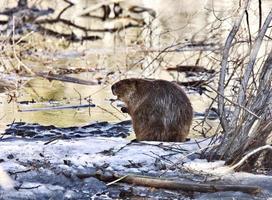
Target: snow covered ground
[(40, 171)]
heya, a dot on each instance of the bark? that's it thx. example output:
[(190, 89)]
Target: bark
[(224, 66), (246, 131), (176, 185)]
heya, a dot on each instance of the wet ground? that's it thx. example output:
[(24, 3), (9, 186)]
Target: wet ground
[(37, 131)]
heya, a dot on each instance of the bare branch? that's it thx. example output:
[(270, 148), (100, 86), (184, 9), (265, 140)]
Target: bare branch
[(177, 185), (250, 154), (224, 65), (249, 68)]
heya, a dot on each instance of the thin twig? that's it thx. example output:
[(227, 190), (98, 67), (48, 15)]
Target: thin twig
[(111, 113), (117, 180), (57, 108), (234, 103), (260, 15), (248, 29), (179, 161), (14, 52)]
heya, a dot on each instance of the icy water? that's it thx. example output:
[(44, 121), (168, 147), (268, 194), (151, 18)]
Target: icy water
[(128, 53)]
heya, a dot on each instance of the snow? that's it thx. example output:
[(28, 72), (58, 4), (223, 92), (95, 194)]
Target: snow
[(5, 181), (86, 151), (133, 158), (203, 166)]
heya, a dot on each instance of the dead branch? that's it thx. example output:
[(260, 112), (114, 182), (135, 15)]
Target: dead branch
[(69, 23), (249, 155), (224, 65), (70, 4), (30, 15), (249, 126), (27, 69), (51, 76), (6, 85), (200, 150), (190, 68), (107, 111), (148, 181), (197, 83), (57, 108), (260, 14), (239, 131), (248, 71), (234, 103), (70, 37), (248, 28), (260, 103)]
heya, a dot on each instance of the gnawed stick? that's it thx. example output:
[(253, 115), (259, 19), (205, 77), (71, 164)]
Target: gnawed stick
[(63, 78), (175, 185), (57, 108)]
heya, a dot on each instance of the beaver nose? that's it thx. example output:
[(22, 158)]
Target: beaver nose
[(113, 89)]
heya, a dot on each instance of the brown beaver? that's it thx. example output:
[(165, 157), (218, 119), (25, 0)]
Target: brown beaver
[(160, 110)]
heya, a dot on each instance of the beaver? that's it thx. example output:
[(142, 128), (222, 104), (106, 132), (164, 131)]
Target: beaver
[(160, 110)]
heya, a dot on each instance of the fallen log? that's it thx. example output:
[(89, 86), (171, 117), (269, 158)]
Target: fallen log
[(51, 76), (190, 68), (175, 185), (58, 108)]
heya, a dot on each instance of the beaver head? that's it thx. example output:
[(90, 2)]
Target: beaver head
[(123, 88), (132, 90)]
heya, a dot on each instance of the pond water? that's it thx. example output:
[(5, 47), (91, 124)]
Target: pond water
[(132, 52)]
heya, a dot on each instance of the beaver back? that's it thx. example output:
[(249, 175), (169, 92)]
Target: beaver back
[(160, 110)]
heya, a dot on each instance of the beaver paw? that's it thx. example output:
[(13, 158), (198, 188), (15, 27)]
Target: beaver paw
[(124, 109)]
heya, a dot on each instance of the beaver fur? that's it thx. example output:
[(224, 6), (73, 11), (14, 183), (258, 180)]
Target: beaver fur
[(160, 110)]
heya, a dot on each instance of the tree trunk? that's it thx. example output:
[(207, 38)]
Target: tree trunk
[(250, 125)]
